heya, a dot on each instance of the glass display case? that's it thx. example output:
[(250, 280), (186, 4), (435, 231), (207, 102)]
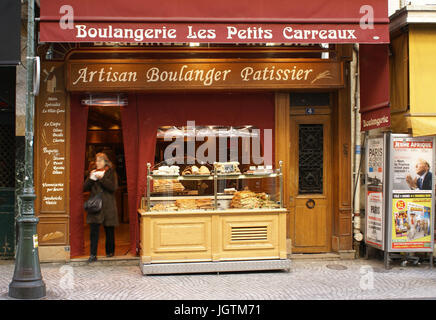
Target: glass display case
[(210, 218), (217, 187)]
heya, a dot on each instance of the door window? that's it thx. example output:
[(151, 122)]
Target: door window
[(310, 158)]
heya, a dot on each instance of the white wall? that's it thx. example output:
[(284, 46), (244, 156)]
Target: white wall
[(393, 6), (397, 4)]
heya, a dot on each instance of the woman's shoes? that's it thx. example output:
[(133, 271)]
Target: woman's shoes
[(94, 258)]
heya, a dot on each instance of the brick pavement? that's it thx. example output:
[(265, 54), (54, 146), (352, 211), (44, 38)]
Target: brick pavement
[(308, 279)]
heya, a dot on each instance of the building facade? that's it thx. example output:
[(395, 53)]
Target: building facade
[(265, 71)]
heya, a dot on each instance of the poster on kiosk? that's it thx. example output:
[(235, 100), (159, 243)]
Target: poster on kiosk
[(375, 192), (400, 185), (410, 202)]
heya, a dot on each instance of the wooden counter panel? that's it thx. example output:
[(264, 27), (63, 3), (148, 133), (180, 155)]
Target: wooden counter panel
[(254, 236), (183, 236), (175, 238)]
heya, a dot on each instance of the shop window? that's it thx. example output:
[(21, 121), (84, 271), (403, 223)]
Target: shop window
[(222, 143), (7, 127), (310, 159), (7, 150), (203, 151)]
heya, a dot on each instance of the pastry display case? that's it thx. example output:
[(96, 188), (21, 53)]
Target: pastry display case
[(207, 218)]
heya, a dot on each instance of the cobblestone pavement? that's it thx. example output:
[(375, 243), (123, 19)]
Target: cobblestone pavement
[(352, 279)]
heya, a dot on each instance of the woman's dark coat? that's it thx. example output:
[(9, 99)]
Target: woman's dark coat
[(108, 216)]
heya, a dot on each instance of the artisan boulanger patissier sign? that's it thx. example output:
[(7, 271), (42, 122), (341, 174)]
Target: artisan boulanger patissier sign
[(203, 74), (213, 33)]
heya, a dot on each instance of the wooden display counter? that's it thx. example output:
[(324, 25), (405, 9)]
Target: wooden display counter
[(184, 241)]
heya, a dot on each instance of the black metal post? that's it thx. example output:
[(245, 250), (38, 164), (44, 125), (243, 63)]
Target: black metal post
[(27, 281)]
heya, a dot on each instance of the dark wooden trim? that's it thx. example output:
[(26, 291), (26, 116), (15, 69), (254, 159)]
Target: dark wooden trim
[(342, 148)]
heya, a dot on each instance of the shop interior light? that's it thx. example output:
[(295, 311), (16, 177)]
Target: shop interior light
[(207, 131), (49, 53), (194, 44), (118, 100)]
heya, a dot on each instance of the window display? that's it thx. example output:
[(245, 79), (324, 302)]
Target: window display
[(221, 187)]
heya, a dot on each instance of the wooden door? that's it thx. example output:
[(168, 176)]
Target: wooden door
[(310, 183)]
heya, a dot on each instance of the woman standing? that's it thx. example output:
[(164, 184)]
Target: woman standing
[(102, 179)]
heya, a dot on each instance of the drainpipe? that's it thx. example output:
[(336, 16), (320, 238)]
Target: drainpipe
[(356, 141)]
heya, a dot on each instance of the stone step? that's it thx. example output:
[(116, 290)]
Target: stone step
[(315, 256), (121, 261)]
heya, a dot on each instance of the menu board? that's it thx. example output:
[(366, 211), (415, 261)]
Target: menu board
[(51, 146)]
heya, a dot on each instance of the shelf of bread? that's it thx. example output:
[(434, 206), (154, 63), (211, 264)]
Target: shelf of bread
[(222, 170), (246, 176), (171, 198), (229, 211), (245, 199), (201, 204), (211, 177), (171, 194)]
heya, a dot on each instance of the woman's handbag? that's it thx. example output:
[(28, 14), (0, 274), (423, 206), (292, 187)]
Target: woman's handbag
[(94, 204)]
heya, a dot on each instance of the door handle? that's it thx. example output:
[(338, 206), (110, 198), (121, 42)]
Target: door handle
[(310, 204)]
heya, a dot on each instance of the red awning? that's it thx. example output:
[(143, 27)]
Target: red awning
[(242, 21), (374, 86)]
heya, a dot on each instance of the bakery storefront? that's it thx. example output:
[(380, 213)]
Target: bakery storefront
[(230, 135)]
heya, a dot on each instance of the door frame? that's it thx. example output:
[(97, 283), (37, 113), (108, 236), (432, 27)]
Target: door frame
[(342, 232), (322, 116)]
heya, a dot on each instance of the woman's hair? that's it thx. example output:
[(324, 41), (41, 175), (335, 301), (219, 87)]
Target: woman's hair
[(107, 162)]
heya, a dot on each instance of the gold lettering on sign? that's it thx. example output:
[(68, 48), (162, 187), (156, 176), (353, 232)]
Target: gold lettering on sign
[(204, 74), (51, 152), (104, 75), (270, 74), (206, 77)]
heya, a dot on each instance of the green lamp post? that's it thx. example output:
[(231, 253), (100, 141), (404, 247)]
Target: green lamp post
[(27, 281)]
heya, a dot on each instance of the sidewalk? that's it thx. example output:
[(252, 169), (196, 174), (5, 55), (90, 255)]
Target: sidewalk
[(308, 279)]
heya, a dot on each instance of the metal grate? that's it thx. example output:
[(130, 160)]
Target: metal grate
[(249, 233), (310, 174), (7, 155)]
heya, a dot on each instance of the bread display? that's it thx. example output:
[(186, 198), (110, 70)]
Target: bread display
[(167, 185), (186, 204), (187, 171), (245, 199), (193, 204), (164, 207), (250, 200), (167, 170), (194, 170), (190, 170), (205, 204), (227, 167), (229, 191), (204, 170)]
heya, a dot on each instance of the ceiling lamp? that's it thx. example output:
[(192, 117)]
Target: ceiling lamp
[(106, 100)]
